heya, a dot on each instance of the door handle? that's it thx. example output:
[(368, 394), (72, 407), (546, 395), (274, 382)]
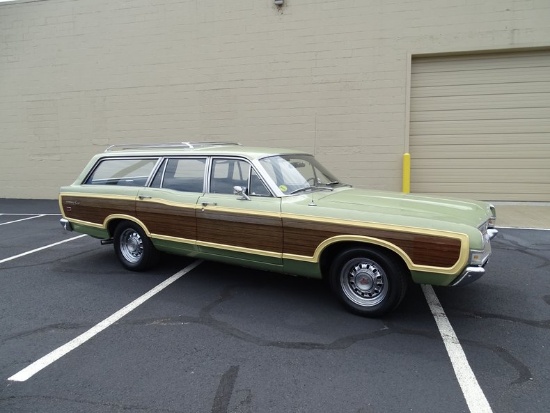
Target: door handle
[(205, 204), (142, 197)]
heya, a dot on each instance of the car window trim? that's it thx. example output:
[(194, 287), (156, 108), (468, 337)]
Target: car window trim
[(119, 158)]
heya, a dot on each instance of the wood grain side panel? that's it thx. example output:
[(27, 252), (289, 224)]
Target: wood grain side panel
[(168, 220), (240, 230), (303, 237), (95, 210)]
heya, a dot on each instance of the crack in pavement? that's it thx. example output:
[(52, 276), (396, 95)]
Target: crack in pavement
[(507, 244), (119, 406), (45, 329), (545, 324), (524, 373)]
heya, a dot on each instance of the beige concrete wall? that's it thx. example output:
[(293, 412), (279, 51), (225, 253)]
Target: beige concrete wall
[(325, 76)]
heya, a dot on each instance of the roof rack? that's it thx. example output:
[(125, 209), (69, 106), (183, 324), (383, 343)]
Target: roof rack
[(169, 145)]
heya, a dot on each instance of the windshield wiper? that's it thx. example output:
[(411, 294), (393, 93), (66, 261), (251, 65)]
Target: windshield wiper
[(305, 188), (337, 183)]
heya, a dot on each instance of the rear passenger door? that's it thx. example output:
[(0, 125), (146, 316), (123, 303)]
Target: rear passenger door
[(234, 227), (167, 206)]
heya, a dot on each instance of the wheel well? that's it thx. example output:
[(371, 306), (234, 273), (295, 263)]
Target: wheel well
[(333, 250), (111, 226), (115, 222)]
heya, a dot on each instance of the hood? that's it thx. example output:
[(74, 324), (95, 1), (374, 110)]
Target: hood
[(394, 204)]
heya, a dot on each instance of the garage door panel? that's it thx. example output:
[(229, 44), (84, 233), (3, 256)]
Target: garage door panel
[(524, 60), (482, 139), (481, 114), (493, 102), (488, 187), (516, 152), (434, 166), (481, 77), (490, 195), (468, 126), (480, 90), (471, 176)]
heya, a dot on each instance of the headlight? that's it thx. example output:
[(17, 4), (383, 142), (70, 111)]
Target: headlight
[(483, 228), (480, 257), (487, 231), (492, 221)]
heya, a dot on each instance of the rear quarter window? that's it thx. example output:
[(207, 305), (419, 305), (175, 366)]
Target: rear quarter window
[(122, 172)]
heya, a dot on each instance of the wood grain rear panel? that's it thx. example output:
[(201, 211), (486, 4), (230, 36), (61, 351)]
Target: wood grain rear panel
[(95, 209)]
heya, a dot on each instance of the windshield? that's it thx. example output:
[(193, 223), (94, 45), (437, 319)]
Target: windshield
[(296, 173)]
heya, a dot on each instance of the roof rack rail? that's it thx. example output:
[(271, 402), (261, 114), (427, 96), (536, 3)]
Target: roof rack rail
[(169, 145)]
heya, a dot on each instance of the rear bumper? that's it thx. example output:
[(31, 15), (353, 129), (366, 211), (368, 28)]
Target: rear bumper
[(66, 224)]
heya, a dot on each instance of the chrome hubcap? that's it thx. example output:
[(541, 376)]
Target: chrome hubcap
[(131, 245), (364, 282)]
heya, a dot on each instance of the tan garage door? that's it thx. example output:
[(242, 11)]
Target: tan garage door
[(480, 126)]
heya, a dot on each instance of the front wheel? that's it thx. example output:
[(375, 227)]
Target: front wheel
[(368, 282), (133, 248)]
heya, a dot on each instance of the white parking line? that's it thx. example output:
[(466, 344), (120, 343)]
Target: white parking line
[(22, 219), (530, 229), (40, 249), (475, 398), (48, 359), (10, 214)]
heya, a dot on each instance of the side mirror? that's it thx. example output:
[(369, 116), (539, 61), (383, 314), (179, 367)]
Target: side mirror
[(239, 190)]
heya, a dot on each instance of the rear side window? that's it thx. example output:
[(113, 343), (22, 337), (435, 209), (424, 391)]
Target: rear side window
[(184, 175), (122, 172)]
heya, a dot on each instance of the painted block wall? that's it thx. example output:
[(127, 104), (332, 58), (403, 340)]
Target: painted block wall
[(329, 77)]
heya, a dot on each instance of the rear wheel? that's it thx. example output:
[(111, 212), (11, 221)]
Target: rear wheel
[(133, 248), (368, 282)]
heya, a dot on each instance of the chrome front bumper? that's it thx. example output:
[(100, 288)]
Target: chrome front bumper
[(473, 273), (469, 275), (66, 224)]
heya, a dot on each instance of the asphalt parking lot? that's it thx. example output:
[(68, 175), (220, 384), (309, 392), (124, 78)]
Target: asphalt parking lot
[(223, 339)]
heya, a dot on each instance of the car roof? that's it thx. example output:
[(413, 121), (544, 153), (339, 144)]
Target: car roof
[(195, 148)]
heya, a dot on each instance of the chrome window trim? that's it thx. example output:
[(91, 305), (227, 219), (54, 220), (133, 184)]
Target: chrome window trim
[(119, 158)]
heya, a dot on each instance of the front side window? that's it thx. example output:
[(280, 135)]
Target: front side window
[(257, 186), (228, 173), (122, 172)]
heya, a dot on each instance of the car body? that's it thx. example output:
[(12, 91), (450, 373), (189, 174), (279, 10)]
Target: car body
[(276, 210)]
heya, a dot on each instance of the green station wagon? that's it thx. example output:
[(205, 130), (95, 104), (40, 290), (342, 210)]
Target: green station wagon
[(276, 210)]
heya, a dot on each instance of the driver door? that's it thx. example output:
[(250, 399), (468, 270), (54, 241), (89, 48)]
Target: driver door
[(239, 228)]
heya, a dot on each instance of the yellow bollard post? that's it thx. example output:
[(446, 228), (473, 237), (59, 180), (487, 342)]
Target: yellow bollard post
[(407, 173)]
